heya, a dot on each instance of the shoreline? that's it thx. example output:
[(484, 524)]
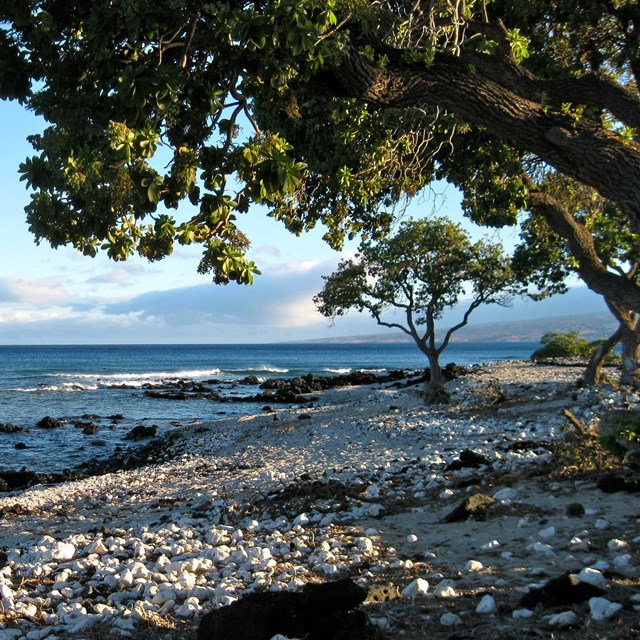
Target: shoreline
[(356, 484)]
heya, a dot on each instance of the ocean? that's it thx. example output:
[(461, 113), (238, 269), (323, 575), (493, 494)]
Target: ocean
[(104, 386)]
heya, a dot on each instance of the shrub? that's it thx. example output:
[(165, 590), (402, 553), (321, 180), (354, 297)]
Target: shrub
[(563, 345)]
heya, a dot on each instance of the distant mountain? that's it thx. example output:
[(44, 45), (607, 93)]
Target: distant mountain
[(591, 326)]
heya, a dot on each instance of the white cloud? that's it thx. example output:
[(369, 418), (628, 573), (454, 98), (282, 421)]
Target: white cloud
[(118, 275), (299, 313), (28, 316), (38, 292)]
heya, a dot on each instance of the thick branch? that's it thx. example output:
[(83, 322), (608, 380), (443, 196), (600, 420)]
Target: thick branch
[(615, 288), (466, 86), (465, 319)]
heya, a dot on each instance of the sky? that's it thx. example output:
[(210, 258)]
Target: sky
[(58, 296)]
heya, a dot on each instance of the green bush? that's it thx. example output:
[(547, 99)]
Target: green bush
[(563, 345), (619, 428)]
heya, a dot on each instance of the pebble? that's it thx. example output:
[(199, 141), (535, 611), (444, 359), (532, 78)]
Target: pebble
[(616, 545), (505, 494), (563, 619), (602, 609), (450, 619), (490, 546), (592, 576), (487, 605), (547, 534), (418, 587)]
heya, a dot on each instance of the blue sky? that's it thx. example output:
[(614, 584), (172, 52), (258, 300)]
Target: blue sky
[(61, 297)]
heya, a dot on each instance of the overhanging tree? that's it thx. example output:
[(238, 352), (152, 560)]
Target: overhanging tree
[(353, 104), (426, 267)]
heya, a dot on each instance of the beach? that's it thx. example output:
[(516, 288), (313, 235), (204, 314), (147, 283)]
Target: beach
[(360, 483)]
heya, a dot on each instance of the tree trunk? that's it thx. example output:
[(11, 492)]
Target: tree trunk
[(436, 393), (617, 289), (631, 355), (593, 373)]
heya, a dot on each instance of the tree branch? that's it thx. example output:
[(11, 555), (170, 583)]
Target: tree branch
[(465, 320), (615, 288), (469, 86)]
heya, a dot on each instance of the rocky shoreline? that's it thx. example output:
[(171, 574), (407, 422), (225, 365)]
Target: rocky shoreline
[(290, 391), (360, 484)]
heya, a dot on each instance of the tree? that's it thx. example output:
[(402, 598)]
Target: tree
[(419, 272), (544, 259), (352, 105)]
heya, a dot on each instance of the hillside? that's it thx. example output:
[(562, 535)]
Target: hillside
[(591, 326)]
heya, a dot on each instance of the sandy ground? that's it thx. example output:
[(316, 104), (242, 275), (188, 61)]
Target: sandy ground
[(358, 484)]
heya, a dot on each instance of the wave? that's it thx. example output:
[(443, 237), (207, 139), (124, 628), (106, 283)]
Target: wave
[(265, 368), (348, 370), (48, 388), (138, 379)]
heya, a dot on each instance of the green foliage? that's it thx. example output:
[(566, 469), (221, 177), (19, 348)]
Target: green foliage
[(620, 428), (544, 259), (563, 345), (204, 108)]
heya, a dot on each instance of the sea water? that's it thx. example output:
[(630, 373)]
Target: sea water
[(97, 383)]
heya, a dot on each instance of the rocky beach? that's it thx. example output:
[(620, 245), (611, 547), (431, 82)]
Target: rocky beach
[(479, 519)]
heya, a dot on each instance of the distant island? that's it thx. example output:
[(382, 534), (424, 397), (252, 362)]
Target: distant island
[(591, 326)]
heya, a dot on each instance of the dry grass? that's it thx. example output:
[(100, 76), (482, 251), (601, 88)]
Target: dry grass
[(581, 451)]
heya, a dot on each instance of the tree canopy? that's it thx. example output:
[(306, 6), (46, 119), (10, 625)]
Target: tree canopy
[(324, 111), (427, 266)]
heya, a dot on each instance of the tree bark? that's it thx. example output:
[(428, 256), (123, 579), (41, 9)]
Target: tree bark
[(630, 339), (469, 86), (631, 355), (593, 373), (621, 292), (436, 393)]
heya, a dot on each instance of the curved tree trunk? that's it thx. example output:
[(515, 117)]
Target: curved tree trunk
[(618, 290), (630, 339), (593, 372)]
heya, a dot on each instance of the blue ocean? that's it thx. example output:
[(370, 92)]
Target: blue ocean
[(108, 387)]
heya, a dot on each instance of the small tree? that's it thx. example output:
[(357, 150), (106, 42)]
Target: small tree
[(423, 269)]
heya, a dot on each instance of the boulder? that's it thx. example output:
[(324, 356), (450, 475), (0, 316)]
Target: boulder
[(18, 479), (141, 431), (49, 423), (565, 590), (613, 483), (318, 612), (12, 428), (471, 506), (468, 459)]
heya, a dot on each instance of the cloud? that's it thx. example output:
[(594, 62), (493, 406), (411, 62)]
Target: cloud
[(278, 299), (32, 291), (118, 275), (263, 251)]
